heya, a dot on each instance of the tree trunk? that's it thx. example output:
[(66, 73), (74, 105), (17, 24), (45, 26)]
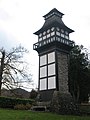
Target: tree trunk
[(78, 93), (1, 69)]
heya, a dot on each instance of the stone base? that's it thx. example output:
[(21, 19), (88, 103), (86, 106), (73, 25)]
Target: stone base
[(43, 103), (63, 103), (41, 106), (45, 96)]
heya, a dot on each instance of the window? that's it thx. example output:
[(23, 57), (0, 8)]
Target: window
[(51, 69), (43, 60), (43, 84), (51, 57), (51, 82), (43, 71)]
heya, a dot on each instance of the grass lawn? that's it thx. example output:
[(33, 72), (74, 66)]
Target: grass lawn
[(28, 115)]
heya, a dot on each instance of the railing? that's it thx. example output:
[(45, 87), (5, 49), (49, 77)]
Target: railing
[(52, 39)]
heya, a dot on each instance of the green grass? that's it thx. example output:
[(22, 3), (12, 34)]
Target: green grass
[(28, 115)]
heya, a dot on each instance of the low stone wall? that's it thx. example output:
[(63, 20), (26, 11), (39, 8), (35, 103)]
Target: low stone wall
[(85, 108)]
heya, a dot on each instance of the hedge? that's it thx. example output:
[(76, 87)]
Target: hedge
[(6, 102)]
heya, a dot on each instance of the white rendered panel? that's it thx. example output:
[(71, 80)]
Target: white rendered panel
[(48, 35), (44, 32), (66, 37), (43, 84), (66, 32), (58, 29), (62, 30), (52, 29), (43, 71), (51, 57), (52, 33), (58, 33), (51, 69), (52, 82), (40, 34), (43, 60), (40, 39), (48, 31), (62, 35), (44, 37)]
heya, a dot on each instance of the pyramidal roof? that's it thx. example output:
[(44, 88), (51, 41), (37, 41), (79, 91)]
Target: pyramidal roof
[(53, 19)]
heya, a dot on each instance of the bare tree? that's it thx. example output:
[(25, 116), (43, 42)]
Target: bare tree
[(13, 69)]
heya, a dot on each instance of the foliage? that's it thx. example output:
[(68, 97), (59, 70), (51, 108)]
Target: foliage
[(28, 115), (13, 69), (62, 103), (22, 107), (33, 94), (79, 74), (11, 102)]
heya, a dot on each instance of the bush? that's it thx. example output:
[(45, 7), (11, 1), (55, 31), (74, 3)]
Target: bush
[(6, 102), (28, 106), (33, 94), (63, 103), (22, 107)]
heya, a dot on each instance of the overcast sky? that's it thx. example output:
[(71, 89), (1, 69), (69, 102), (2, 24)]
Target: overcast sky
[(19, 19)]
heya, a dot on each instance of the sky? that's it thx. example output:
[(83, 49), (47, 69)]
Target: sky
[(19, 19)]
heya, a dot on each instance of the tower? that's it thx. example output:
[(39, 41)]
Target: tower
[(53, 48)]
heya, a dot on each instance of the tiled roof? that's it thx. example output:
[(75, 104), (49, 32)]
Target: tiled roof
[(53, 18)]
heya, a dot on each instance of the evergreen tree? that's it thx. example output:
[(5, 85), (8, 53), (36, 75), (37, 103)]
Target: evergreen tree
[(79, 74)]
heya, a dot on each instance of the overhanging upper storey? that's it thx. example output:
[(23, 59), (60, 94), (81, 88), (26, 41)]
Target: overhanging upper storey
[(53, 32)]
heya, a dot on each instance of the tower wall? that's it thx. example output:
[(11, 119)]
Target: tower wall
[(62, 66)]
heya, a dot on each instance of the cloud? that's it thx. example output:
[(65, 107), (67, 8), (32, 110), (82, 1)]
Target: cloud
[(7, 41), (4, 15)]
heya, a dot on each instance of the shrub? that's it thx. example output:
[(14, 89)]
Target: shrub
[(63, 103), (33, 94), (6, 102), (22, 107), (28, 106)]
